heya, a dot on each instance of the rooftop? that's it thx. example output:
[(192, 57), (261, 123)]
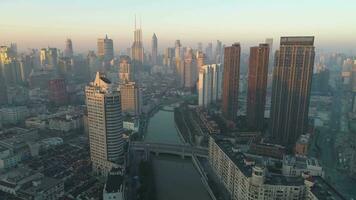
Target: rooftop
[(323, 190), (245, 163), (114, 182)]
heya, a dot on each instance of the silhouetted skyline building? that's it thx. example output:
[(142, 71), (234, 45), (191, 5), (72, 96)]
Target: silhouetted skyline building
[(257, 85), (231, 81), (68, 51), (219, 51), (292, 77), (154, 53)]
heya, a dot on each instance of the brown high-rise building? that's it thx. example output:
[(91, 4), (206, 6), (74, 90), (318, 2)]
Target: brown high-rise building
[(292, 77), (257, 85), (231, 81)]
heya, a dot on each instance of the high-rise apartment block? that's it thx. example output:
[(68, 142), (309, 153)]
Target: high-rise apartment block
[(292, 77), (231, 81), (209, 84), (105, 124), (257, 86)]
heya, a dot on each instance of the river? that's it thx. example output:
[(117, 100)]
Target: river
[(176, 178)]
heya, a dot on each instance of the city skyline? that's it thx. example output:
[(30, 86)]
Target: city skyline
[(117, 20)]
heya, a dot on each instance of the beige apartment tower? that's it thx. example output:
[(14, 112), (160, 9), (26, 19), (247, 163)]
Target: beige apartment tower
[(104, 124)]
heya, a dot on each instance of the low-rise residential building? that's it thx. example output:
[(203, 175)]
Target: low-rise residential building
[(114, 187), (43, 189), (66, 123), (14, 115), (131, 123), (301, 166), (246, 176)]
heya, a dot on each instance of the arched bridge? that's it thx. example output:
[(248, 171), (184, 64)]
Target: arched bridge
[(176, 149)]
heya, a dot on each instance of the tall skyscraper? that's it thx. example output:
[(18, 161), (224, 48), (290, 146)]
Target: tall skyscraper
[(58, 91), (257, 85), (200, 46), (131, 98), (231, 81), (190, 69), (68, 51), (3, 90), (137, 53), (201, 60), (105, 49), (209, 84), (105, 124), (205, 85), (179, 61), (209, 52), (218, 72), (49, 58), (292, 76), (168, 57), (126, 72), (269, 41), (218, 52), (154, 49)]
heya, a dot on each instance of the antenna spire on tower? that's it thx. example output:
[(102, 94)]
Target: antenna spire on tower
[(135, 21)]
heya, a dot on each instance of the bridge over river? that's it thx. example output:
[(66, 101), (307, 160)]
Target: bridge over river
[(164, 148)]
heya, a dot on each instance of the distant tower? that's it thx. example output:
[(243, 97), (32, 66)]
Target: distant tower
[(218, 52), (292, 77), (137, 53), (205, 85), (231, 81), (49, 58), (190, 69), (105, 124), (201, 60), (179, 61), (131, 98), (269, 41), (154, 49), (257, 85), (9, 66), (58, 91), (106, 49), (126, 69), (200, 46), (68, 51), (209, 52)]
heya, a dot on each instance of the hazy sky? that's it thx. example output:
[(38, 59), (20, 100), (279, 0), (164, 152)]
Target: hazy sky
[(39, 23)]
